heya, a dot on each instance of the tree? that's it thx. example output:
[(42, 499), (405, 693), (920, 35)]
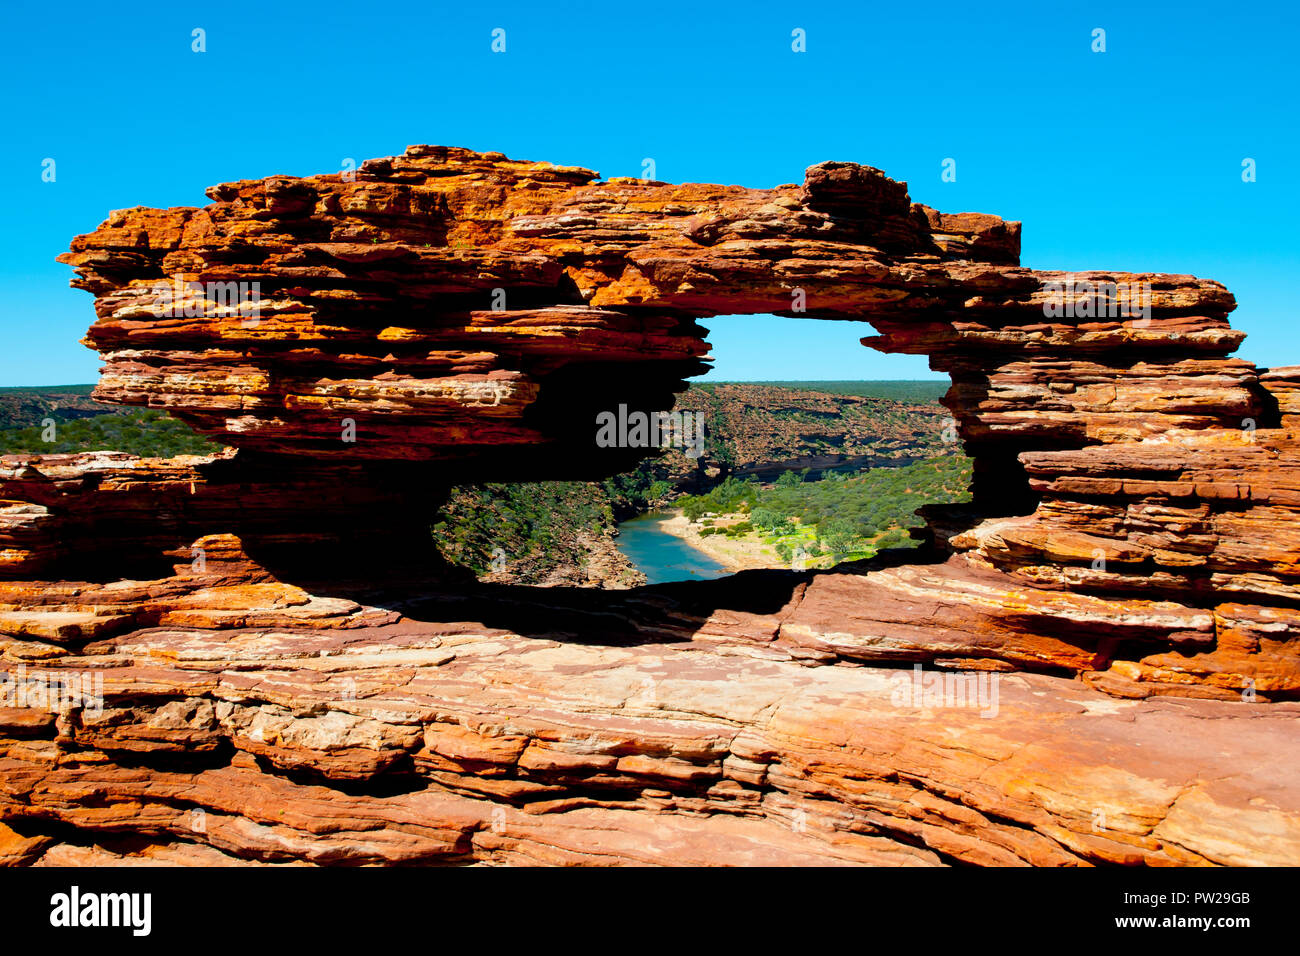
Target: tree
[(837, 535), (892, 538)]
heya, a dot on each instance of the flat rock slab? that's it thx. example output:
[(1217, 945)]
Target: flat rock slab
[(496, 747)]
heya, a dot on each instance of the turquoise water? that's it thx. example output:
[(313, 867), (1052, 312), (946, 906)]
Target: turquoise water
[(663, 557)]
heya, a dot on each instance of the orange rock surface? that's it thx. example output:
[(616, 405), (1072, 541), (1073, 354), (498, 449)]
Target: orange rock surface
[(1093, 662)]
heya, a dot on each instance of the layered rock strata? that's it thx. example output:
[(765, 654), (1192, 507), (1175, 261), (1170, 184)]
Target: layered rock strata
[(107, 515), (1111, 624), (411, 742)]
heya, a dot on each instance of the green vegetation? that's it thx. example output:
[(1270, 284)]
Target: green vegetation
[(732, 496), (638, 490), (22, 406), (846, 516), (531, 529), (82, 424), (83, 390), (144, 432)]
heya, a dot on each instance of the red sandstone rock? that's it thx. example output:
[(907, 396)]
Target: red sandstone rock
[(318, 690), (377, 304), (502, 747)]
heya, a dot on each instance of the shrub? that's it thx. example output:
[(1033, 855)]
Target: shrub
[(893, 538), (838, 535)]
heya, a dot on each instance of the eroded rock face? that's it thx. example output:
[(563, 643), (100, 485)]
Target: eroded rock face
[(453, 304), (1115, 614), (450, 742), (106, 515)]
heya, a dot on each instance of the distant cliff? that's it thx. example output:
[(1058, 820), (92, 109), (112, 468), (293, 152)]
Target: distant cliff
[(26, 406), (763, 429)]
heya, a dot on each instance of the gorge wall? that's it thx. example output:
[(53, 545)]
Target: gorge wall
[(288, 673)]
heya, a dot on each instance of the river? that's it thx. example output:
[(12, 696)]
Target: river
[(661, 556)]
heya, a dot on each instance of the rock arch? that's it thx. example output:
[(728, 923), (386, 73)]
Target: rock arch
[(471, 315), (1130, 539)]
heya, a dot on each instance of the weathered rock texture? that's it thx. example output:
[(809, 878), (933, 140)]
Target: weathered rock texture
[(306, 685), (762, 430)]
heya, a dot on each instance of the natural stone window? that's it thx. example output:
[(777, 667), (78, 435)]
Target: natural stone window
[(265, 622)]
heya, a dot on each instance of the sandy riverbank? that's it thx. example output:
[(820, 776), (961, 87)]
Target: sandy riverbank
[(734, 554)]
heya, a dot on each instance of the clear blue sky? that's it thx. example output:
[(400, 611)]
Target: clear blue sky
[(1128, 159)]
